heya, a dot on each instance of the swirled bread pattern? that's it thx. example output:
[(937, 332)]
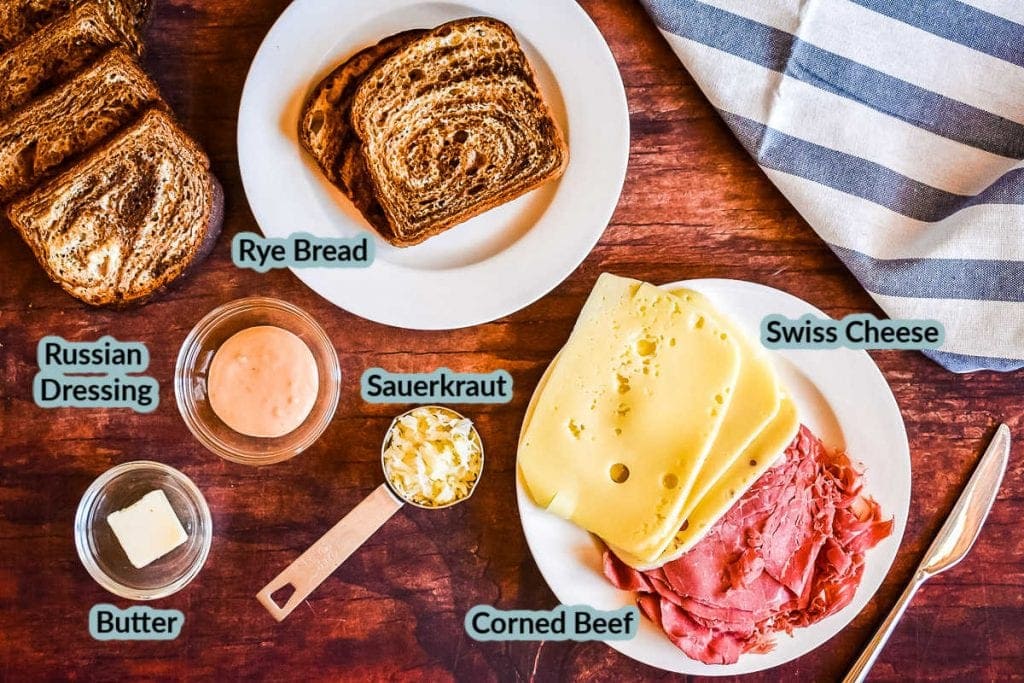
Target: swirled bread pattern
[(59, 50), (128, 219), (36, 139), (452, 125), (326, 133)]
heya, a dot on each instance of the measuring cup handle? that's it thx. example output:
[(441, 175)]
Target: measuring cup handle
[(328, 553)]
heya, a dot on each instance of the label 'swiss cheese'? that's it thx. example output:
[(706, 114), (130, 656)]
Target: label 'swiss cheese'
[(629, 413)]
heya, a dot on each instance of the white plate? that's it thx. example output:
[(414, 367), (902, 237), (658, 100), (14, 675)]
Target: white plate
[(490, 266), (843, 398)]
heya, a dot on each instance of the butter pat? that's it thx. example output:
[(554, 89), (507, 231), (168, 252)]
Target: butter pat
[(147, 529)]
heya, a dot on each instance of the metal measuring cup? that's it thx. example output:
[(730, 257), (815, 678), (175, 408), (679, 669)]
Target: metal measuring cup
[(311, 568)]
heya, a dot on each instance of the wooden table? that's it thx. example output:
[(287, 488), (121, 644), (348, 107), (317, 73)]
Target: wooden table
[(694, 205)]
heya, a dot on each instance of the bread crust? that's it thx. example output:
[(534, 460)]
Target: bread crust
[(332, 96), (365, 95)]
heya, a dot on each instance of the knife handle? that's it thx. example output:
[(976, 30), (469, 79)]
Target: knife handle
[(859, 671)]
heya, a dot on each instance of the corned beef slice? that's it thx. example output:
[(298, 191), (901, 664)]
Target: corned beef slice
[(789, 553)]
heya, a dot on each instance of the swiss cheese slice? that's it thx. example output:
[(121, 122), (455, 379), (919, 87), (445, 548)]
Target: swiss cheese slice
[(628, 413), (740, 476), (754, 403)]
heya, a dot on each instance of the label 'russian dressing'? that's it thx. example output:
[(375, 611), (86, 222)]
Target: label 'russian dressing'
[(100, 374)]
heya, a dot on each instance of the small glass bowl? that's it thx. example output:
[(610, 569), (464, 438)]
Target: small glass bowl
[(100, 551), (194, 363)]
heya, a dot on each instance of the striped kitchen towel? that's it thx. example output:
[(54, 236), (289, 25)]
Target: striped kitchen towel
[(896, 128)]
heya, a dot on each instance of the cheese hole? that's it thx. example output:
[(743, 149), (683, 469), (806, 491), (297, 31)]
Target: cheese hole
[(700, 323), (719, 400), (646, 347), (619, 473), (576, 429), (685, 526), (753, 463), (670, 481), (724, 336)]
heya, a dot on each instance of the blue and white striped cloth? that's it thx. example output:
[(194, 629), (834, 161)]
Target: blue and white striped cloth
[(896, 128)]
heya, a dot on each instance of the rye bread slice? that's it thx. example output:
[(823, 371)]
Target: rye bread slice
[(60, 49), (21, 18), (452, 125), (326, 133), (127, 220), (36, 139)]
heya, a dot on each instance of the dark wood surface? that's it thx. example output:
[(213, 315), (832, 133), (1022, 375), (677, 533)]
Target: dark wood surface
[(694, 205)]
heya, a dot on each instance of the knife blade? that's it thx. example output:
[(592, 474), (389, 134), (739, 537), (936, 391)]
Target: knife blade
[(954, 540), (957, 536)]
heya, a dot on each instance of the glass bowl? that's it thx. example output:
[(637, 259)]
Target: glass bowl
[(100, 551), (194, 363)]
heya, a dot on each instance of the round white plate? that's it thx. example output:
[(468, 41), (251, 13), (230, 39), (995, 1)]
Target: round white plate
[(843, 398), (490, 266)]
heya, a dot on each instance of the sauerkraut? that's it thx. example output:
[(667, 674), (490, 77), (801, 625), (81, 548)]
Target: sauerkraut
[(433, 456)]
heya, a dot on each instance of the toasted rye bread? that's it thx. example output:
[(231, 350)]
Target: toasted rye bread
[(326, 133), (324, 128), (21, 18), (61, 48), (452, 125), (128, 219), (36, 139)]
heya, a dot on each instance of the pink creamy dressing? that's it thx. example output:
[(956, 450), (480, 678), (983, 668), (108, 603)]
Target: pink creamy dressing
[(263, 382)]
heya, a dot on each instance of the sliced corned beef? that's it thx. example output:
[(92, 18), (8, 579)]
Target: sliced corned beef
[(789, 553)]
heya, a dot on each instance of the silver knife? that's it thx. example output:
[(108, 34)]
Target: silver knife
[(954, 540)]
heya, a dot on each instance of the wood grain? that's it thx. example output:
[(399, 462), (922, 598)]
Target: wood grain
[(694, 205)]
